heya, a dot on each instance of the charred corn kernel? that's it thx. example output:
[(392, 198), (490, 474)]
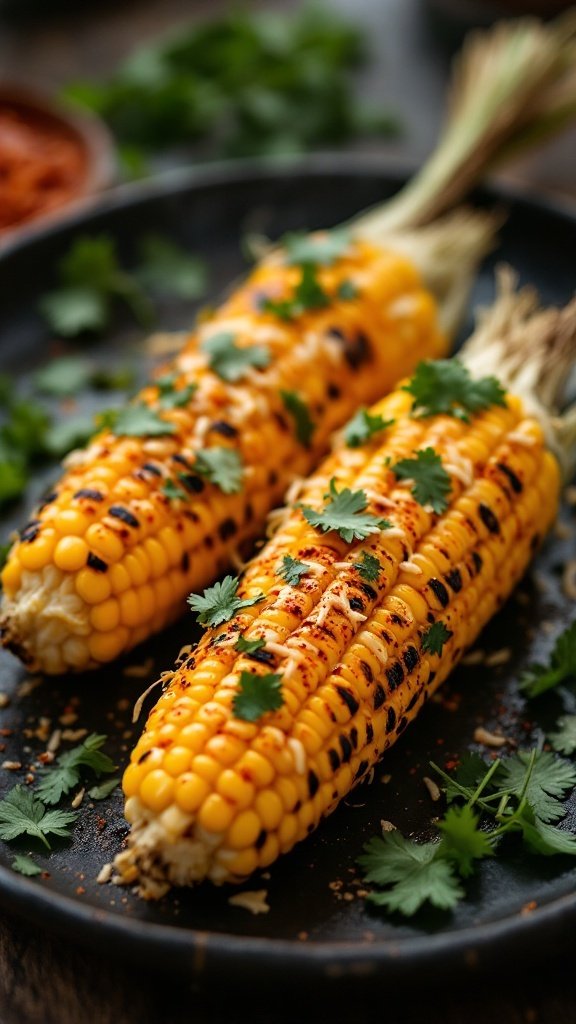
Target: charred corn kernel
[(92, 586), (70, 554), (114, 497), (353, 661), (215, 813), (157, 790)]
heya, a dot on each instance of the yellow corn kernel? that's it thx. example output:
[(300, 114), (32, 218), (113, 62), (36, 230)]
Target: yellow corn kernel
[(70, 554), (105, 616), (92, 586), (104, 542), (177, 761), (269, 808), (36, 554), (234, 788), (190, 792), (72, 521), (107, 646), (244, 831), (157, 790), (215, 813), (120, 579)]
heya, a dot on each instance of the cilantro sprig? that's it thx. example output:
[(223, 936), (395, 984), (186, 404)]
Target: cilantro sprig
[(308, 294), (434, 639), (257, 694), (345, 514), (58, 779), (135, 420), (431, 481), (321, 248), (300, 413), (244, 646), (292, 570), (520, 796), (369, 567), (363, 427), (220, 603), (222, 467), (22, 813), (229, 360), (444, 386), (560, 669)]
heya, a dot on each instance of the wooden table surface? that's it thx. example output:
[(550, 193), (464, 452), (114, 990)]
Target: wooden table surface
[(46, 980)]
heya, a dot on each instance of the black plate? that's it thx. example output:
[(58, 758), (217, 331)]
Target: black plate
[(317, 924)]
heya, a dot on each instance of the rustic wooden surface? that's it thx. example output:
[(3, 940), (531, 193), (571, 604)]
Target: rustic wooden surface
[(46, 980)]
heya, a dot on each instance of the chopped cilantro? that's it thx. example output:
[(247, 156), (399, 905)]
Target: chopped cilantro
[(136, 420), (248, 646), (561, 667), (104, 789), (220, 602), (222, 467), (463, 841), (308, 294), (300, 413), (322, 248), (170, 270), (229, 361), (444, 386), (71, 311), (291, 570), (433, 641), (347, 290), (414, 873), (257, 695), (25, 866), (21, 813), (431, 481), (345, 514), (363, 426), (369, 567), (174, 493), (170, 397), (550, 780), (58, 779), (66, 434), (68, 375)]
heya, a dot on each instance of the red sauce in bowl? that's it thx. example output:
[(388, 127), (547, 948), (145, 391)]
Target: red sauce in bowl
[(44, 163)]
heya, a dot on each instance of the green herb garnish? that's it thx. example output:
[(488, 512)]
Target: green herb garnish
[(431, 481), (136, 420), (291, 570), (67, 771), (22, 813), (444, 386), (222, 467), (433, 641), (308, 294), (220, 603), (321, 249), (300, 413), (257, 695), (363, 427), (560, 669), (345, 514), (244, 646), (369, 567), (170, 270), (229, 361), (25, 866)]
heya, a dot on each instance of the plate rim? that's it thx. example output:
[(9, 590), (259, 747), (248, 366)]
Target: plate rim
[(203, 952)]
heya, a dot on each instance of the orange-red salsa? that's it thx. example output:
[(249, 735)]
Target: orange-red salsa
[(43, 163)]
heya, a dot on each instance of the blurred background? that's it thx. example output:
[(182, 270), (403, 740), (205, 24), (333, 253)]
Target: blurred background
[(183, 81)]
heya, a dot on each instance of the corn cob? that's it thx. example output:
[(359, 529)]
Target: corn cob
[(142, 516), (212, 791)]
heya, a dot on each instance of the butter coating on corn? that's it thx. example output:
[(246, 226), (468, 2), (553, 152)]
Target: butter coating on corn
[(210, 795)]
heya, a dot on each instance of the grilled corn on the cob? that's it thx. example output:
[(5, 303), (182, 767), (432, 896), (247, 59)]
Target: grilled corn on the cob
[(344, 641), (158, 504)]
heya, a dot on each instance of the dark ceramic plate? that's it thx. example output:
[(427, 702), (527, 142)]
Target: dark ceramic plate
[(317, 925)]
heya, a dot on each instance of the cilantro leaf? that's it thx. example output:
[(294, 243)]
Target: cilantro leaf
[(136, 420), (170, 397), (300, 413), (220, 602), (468, 776), (369, 567), (308, 294), (564, 740), (347, 290), (222, 467), (292, 570), (345, 514), (363, 426), (248, 646), (257, 695), (174, 493), (21, 813), (561, 668), (171, 270), (229, 361), (415, 872), (550, 779), (433, 641), (70, 311), (431, 481), (25, 866), (13, 479), (543, 838), (104, 789), (57, 780), (65, 376), (444, 386), (463, 841), (321, 248)]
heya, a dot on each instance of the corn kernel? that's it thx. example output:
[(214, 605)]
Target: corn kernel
[(235, 789), (36, 554), (157, 556), (190, 791), (119, 578), (269, 851), (11, 575), (288, 831), (206, 767), (194, 736), (244, 831), (136, 568), (104, 542), (256, 768), (270, 808), (177, 761), (70, 554), (157, 790), (130, 610), (92, 586), (105, 616), (107, 646), (72, 521), (215, 813), (244, 863)]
